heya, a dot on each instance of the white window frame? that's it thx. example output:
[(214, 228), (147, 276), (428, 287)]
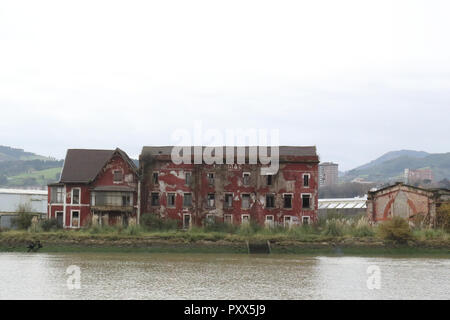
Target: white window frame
[(231, 218), (190, 220), (269, 223), (309, 180), (311, 205), (249, 177), (207, 201), (309, 219), (79, 218), (242, 201), (56, 217), (210, 217), (290, 221), (213, 178), (79, 196), (242, 218)]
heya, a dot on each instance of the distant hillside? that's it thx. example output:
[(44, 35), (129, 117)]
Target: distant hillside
[(11, 154), (19, 168), (393, 155), (391, 166)]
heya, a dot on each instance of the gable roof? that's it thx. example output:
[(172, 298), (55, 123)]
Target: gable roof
[(83, 165), (284, 151)]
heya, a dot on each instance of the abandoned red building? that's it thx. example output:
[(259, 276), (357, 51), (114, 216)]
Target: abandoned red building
[(231, 193), (405, 201), (96, 186)]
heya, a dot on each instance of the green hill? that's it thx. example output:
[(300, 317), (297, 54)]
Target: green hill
[(392, 169), (19, 168)]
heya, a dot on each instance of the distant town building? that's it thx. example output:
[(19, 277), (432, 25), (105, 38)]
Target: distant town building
[(11, 199), (328, 174), (418, 176), (405, 201)]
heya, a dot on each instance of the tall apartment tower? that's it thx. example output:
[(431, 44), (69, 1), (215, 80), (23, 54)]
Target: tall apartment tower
[(328, 174)]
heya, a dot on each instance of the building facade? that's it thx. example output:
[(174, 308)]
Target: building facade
[(328, 174), (405, 201), (195, 194), (96, 186), (11, 199)]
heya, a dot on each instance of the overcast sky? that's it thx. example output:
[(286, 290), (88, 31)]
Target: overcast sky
[(355, 78)]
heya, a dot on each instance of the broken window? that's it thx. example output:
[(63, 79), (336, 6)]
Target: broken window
[(76, 196), (211, 200), (75, 219), (245, 201), (228, 218), (287, 221), (270, 200), (245, 218), (118, 176), (306, 180), (171, 199), (155, 199), (210, 218), (155, 178), (211, 178), (269, 179), (187, 200), (186, 221), (246, 178), (188, 177), (288, 201), (269, 221), (306, 201), (228, 200), (305, 220)]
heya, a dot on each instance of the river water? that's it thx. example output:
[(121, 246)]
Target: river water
[(220, 276)]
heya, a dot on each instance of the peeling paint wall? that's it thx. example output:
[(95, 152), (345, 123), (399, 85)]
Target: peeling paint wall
[(228, 179), (402, 201)]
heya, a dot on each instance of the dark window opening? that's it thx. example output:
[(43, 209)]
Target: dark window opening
[(171, 199), (306, 203), (246, 178), (155, 199), (288, 201), (306, 180), (155, 178), (269, 180), (118, 176), (228, 200), (270, 201), (187, 200), (188, 177), (211, 178), (211, 200)]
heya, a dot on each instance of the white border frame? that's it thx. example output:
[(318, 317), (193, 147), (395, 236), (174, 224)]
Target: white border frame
[(311, 205), (79, 218), (190, 220), (242, 218), (309, 220), (230, 215), (309, 180), (79, 196), (174, 199)]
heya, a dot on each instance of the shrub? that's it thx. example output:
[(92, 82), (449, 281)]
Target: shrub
[(443, 217), (362, 228), (132, 230), (23, 220), (48, 224), (215, 226), (397, 229), (153, 222), (334, 227)]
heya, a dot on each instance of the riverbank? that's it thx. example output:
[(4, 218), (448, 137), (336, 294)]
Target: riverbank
[(215, 242)]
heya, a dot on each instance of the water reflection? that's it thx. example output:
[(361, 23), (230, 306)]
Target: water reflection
[(209, 276)]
